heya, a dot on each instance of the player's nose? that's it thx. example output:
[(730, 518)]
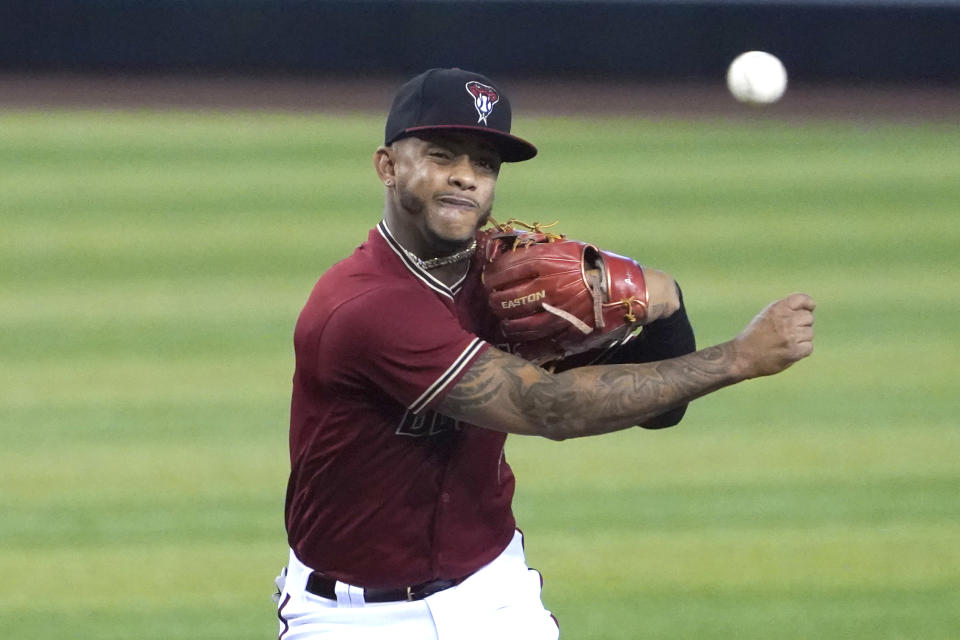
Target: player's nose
[(462, 174)]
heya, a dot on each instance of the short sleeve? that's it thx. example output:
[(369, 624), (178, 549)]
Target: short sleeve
[(402, 340)]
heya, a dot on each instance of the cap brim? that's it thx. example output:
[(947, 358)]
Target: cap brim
[(511, 148)]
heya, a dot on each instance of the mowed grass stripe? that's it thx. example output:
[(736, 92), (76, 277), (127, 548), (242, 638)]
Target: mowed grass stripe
[(886, 614), (877, 504), (633, 462), (241, 155), (713, 453), (159, 574), (919, 556), (867, 403), (154, 163), (40, 429), (274, 244), (763, 613), (146, 378), (711, 299)]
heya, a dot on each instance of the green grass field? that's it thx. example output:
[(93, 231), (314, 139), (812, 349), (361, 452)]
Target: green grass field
[(152, 265)]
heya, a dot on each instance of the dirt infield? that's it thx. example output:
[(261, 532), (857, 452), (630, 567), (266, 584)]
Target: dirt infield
[(538, 96)]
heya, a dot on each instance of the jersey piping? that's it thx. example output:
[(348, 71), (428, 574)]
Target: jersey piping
[(424, 276), (451, 373)]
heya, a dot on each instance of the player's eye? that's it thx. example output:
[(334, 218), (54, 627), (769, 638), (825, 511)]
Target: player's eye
[(487, 164)]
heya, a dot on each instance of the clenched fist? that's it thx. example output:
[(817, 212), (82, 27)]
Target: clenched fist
[(777, 337)]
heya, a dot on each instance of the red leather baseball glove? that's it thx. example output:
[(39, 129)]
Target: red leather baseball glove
[(556, 297)]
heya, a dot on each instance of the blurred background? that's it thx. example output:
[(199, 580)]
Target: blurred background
[(175, 175)]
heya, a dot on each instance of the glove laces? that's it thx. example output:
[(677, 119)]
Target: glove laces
[(536, 227)]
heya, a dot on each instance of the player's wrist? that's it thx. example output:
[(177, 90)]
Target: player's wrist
[(741, 360)]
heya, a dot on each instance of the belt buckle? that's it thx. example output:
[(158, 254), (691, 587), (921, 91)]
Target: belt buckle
[(409, 594)]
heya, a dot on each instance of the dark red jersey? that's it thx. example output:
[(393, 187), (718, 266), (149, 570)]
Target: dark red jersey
[(383, 490)]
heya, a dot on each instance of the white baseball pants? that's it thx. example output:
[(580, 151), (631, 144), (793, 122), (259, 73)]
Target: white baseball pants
[(501, 601)]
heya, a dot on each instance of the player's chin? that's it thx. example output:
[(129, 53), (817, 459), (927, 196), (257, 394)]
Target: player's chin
[(457, 229), (451, 241)]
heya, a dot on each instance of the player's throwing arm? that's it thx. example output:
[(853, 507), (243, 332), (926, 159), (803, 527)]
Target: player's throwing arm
[(503, 391)]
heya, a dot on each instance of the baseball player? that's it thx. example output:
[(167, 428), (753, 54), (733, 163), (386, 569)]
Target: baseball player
[(398, 507)]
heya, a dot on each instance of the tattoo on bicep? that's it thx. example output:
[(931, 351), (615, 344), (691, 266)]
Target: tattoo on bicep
[(497, 378), (478, 387)]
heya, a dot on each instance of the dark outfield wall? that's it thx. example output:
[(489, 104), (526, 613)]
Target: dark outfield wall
[(649, 40)]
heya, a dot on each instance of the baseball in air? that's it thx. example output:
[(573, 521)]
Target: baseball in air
[(757, 77)]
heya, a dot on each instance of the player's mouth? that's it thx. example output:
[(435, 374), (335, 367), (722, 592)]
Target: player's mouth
[(457, 201)]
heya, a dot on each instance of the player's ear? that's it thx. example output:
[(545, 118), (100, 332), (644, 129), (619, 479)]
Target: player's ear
[(383, 162)]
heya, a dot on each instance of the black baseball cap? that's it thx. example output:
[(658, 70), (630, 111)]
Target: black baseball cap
[(454, 99)]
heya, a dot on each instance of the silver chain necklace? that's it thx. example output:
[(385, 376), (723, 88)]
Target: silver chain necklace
[(453, 258)]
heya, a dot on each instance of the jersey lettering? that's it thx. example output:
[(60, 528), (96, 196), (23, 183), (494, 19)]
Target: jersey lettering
[(428, 423)]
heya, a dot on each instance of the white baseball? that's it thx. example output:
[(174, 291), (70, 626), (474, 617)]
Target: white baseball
[(757, 77)]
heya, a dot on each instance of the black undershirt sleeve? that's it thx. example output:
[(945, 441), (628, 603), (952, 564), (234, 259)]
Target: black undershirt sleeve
[(660, 340)]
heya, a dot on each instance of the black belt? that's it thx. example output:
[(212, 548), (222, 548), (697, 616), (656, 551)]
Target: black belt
[(325, 587)]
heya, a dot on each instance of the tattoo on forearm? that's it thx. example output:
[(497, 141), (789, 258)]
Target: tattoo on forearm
[(592, 399)]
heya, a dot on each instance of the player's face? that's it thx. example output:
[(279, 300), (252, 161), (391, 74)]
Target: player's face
[(447, 181)]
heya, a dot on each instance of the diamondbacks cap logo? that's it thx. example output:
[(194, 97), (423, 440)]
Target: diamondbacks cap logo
[(484, 97)]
